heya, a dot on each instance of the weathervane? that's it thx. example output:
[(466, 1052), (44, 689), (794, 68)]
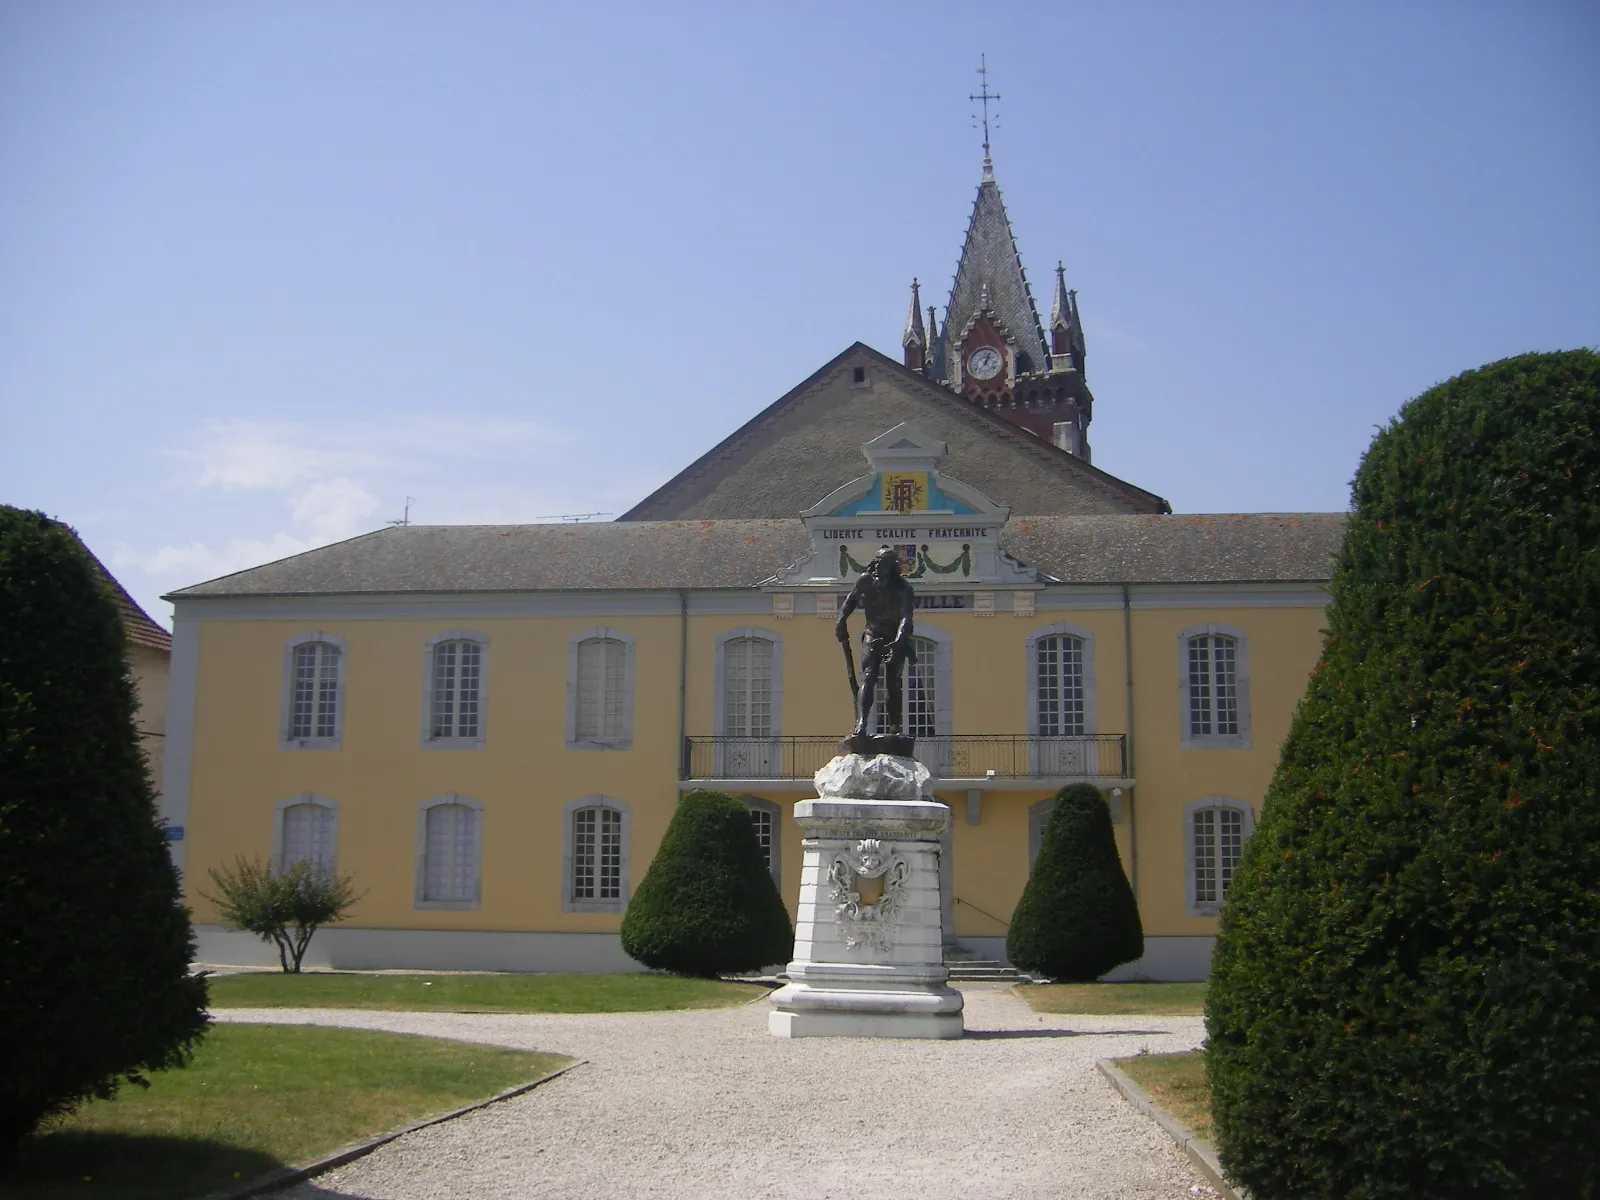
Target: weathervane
[(985, 95)]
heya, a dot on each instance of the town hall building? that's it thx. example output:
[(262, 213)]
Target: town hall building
[(490, 726)]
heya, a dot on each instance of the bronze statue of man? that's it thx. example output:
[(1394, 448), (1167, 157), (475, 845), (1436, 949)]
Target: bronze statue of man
[(888, 604)]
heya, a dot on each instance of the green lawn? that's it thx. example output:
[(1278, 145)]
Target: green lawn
[(1116, 999), (478, 992), (257, 1097), (1177, 1082)]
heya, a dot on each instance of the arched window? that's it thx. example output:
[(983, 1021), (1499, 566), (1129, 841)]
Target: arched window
[(312, 692), (454, 666), (449, 848), (595, 860), (1060, 675), (1214, 687), (600, 690), (305, 830), (747, 688), (1215, 830), (749, 702)]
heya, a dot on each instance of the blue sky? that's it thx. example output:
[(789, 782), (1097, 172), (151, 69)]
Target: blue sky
[(270, 267)]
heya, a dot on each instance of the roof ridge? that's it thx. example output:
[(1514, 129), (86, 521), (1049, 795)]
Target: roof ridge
[(744, 432), (1104, 481)]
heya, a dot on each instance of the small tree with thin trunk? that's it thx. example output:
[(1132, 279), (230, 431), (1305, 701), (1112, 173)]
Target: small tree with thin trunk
[(286, 908)]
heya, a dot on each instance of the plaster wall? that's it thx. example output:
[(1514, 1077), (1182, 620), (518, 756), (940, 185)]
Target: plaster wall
[(524, 774), (148, 666)]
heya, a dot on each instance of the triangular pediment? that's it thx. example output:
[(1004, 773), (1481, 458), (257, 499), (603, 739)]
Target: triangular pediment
[(946, 532)]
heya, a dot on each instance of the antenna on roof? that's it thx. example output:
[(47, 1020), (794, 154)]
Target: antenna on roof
[(985, 95), (572, 516), (405, 520)]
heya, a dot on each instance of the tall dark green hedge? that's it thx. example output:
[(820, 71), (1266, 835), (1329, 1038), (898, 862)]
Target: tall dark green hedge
[(707, 906), (94, 941), (1077, 917), (1405, 994)]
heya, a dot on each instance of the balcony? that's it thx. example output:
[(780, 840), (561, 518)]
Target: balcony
[(1004, 761)]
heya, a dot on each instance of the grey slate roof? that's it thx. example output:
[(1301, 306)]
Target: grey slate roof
[(989, 258), (640, 555), (808, 442)]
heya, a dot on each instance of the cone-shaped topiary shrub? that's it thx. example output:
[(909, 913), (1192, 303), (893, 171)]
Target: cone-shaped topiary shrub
[(707, 905), (1405, 993), (94, 942), (1077, 917)]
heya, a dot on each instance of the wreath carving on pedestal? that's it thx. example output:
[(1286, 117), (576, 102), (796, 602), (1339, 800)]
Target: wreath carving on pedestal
[(867, 887)]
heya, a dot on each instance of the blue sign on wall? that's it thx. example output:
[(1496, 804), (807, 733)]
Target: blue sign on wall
[(174, 833)]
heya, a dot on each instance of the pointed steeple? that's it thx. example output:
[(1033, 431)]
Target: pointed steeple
[(915, 338), (935, 359), (989, 261), (1079, 351), (1060, 320)]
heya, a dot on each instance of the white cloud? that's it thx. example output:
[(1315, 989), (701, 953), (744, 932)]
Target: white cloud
[(196, 561), (334, 509), (330, 481)]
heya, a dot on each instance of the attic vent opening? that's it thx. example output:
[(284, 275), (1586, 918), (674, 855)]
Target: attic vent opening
[(858, 375)]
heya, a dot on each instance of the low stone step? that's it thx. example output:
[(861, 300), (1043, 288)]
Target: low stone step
[(984, 973)]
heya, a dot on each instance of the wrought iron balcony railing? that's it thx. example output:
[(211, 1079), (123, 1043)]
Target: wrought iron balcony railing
[(959, 756)]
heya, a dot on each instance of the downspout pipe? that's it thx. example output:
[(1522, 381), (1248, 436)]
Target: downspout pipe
[(683, 682), (1127, 670)]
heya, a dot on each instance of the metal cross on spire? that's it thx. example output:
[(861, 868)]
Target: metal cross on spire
[(985, 95)]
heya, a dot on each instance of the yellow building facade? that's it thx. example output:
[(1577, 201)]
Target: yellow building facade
[(490, 727)]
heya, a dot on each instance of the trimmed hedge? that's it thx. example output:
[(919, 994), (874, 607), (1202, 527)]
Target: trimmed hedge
[(1403, 998), (1077, 918), (707, 906), (94, 940)]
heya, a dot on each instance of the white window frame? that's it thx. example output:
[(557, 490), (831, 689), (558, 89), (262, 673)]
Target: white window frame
[(1215, 741), (286, 705), (421, 899), (625, 741), (280, 816), (1247, 826), (1057, 760), (764, 761), (429, 742), (763, 805), (568, 832), (1031, 666)]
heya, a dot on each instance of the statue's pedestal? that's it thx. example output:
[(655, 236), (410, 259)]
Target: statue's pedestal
[(868, 951)]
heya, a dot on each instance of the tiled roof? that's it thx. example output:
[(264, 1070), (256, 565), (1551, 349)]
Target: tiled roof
[(809, 441), (141, 630), (642, 555)]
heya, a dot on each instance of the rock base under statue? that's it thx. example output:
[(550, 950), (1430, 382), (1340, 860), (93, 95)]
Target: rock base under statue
[(869, 950)]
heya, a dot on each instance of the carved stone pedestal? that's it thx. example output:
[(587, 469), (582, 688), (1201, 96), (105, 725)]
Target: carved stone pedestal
[(868, 952)]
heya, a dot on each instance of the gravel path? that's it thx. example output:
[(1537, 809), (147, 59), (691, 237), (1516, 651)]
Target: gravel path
[(707, 1104)]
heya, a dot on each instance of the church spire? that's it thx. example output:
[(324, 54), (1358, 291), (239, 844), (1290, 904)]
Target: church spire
[(915, 338), (991, 264), (1060, 316)]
